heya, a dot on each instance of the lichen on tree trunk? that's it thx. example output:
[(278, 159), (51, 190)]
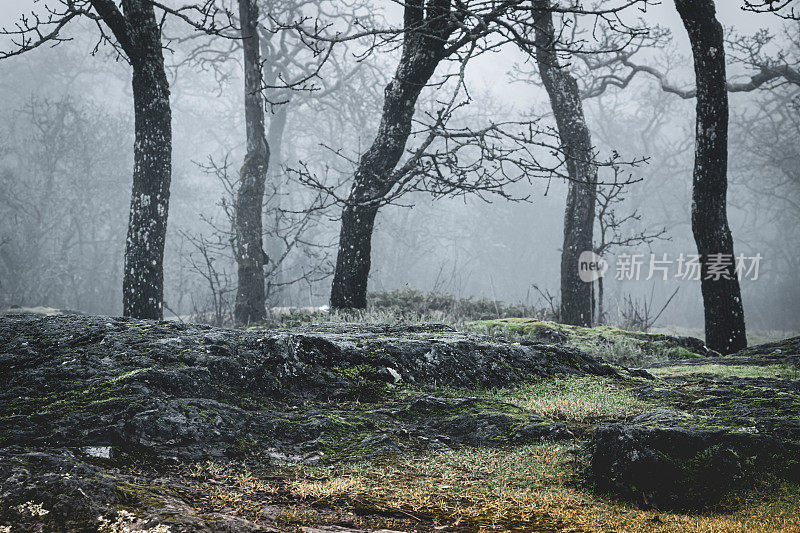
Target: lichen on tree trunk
[(143, 280), (722, 298)]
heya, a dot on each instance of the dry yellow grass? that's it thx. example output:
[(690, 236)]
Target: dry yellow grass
[(528, 487)]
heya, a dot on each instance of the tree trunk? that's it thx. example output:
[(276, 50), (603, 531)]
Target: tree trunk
[(422, 52), (600, 296), (722, 298), (352, 264), (249, 252), (275, 246), (143, 280), (576, 295)]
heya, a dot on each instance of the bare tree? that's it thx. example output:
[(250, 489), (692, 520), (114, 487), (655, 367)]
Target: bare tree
[(722, 297), (250, 255), (212, 252), (565, 100), (428, 27), (134, 30), (611, 232), (207, 259), (620, 67), (290, 76), (724, 315), (432, 32), (63, 241), (782, 8)]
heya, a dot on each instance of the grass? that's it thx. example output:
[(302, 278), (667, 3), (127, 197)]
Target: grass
[(729, 371), (527, 488), (468, 487), (573, 398), (567, 398), (629, 348), (530, 488), (631, 352)]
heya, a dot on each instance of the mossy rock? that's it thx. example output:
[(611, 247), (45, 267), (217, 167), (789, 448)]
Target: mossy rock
[(681, 467), (632, 348)]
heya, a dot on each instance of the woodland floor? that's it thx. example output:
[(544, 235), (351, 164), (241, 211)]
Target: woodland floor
[(111, 424)]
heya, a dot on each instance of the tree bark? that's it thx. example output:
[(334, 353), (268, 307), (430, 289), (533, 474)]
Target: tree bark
[(274, 245), (600, 311), (143, 280), (250, 256), (722, 298), (423, 49), (562, 89)]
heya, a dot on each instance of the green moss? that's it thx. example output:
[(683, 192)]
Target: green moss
[(126, 375), (361, 371), (568, 398), (134, 496), (632, 348)]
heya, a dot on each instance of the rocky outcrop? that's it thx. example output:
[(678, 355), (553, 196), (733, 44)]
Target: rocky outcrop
[(84, 395), (685, 467), (192, 391), (98, 414)]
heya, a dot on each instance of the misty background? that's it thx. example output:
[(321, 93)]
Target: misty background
[(66, 132)]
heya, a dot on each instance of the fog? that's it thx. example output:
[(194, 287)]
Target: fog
[(66, 138)]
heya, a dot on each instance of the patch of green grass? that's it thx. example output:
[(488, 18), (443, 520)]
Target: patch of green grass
[(729, 371), (629, 348), (469, 487), (625, 351), (574, 398), (568, 398)]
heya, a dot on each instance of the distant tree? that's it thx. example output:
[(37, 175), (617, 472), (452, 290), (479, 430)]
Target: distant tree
[(134, 30), (63, 242), (612, 233), (290, 76)]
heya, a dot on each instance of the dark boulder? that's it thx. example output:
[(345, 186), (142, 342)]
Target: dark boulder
[(681, 466)]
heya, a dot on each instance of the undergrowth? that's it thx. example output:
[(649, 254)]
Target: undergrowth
[(534, 487)]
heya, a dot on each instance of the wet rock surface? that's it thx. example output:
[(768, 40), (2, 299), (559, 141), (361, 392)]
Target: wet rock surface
[(189, 391)]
